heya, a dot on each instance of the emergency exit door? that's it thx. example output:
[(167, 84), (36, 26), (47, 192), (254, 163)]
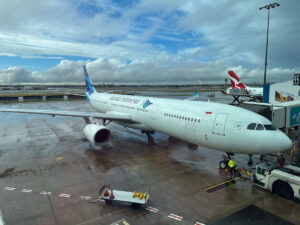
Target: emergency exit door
[(219, 124)]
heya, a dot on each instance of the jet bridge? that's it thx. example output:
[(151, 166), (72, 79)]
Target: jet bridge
[(260, 108), (283, 115)]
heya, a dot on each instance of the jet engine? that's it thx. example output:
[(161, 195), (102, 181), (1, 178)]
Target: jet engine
[(97, 134)]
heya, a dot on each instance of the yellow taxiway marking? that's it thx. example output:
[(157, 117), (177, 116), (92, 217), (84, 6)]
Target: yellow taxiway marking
[(59, 158), (216, 185)]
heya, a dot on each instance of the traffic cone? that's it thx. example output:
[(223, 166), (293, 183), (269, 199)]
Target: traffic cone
[(111, 194), (106, 193)]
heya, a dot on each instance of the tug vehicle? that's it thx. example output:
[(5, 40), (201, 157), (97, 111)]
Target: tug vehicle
[(285, 181)]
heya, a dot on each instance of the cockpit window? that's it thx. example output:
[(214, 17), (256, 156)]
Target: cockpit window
[(259, 127), (269, 127), (251, 126)]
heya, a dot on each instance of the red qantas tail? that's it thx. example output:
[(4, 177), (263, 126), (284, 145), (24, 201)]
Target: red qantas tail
[(235, 81)]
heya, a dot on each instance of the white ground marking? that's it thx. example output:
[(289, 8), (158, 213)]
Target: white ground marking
[(26, 190), (45, 193), (1, 218), (64, 195), (175, 217), (85, 197), (9, 188)]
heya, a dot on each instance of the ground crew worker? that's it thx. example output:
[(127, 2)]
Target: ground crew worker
[(266, 172), (231, 165)]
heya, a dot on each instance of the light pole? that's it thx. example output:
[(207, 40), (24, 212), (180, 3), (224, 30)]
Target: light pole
[(268, 7)]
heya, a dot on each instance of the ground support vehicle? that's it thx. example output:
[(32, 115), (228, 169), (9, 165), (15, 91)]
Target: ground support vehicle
[(285, 181), (109, 195)]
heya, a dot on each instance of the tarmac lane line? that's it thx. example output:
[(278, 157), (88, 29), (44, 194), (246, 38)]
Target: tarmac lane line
[(198, 223), (151, 209), (175, 217), (26, 190), (64, 195), (45, 193), (9, 188), (85, 197)]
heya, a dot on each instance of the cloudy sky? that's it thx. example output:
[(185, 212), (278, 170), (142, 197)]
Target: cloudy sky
[(146, 41)]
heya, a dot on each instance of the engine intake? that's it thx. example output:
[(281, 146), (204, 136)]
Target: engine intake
[(97, 134)]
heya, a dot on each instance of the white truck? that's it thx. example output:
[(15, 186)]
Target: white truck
[(283, 181)]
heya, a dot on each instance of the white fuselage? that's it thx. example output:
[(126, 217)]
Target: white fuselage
[(213, 125), (254, 91), (249, 91)]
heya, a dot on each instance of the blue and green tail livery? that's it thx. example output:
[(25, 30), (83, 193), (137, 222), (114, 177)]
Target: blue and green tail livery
[(88, 83)]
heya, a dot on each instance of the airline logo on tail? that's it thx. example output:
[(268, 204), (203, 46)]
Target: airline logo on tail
[(236, 83), (88, 83)]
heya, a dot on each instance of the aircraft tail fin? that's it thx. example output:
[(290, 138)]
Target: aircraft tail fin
[(236, 83), (88, 83)]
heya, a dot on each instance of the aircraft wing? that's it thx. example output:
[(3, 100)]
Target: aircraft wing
[(113, 117)]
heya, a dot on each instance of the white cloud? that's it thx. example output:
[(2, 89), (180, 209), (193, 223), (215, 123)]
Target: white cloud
[(163, 70), (226, 34)]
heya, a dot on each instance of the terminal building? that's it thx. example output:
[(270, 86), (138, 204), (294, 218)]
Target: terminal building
[(281, 103)]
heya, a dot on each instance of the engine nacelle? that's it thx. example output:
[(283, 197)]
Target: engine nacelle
[(97, 134)]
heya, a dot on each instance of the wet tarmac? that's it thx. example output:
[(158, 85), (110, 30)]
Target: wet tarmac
[(49, 173)]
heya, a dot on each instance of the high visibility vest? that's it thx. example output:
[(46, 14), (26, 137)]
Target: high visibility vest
[(231, 163)]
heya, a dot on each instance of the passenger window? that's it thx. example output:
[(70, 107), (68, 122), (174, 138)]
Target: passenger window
[(192, 120), (260, 127), (251, 126), (199, 121)]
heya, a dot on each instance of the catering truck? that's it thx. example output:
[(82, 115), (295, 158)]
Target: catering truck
[(285, 181)]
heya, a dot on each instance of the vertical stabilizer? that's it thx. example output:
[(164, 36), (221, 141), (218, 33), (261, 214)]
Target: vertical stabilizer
[(88, 83), (236, 83)]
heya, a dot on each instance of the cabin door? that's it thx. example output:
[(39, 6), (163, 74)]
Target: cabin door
[(219, 124)]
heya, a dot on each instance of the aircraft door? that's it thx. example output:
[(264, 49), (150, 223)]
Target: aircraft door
[(219, 124)]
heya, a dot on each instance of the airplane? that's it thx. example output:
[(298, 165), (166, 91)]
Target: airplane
[(238, 88), (223, 127)]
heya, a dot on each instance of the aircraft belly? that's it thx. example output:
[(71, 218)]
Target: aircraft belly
[(135, 126)]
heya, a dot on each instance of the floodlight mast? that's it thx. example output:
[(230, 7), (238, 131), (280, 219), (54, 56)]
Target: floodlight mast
[(268, 7)]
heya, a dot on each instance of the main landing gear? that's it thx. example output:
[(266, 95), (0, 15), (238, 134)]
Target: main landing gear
[(149, 136)]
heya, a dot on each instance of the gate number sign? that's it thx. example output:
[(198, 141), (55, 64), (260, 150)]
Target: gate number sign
[(296, 80)]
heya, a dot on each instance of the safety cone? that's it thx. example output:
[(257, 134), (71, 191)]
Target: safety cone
[(111, 194), (106, 193)]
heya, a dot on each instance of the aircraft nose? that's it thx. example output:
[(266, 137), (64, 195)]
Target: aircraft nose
[(283, 142)]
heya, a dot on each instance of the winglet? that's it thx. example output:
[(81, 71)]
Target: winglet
[(88, 83)]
